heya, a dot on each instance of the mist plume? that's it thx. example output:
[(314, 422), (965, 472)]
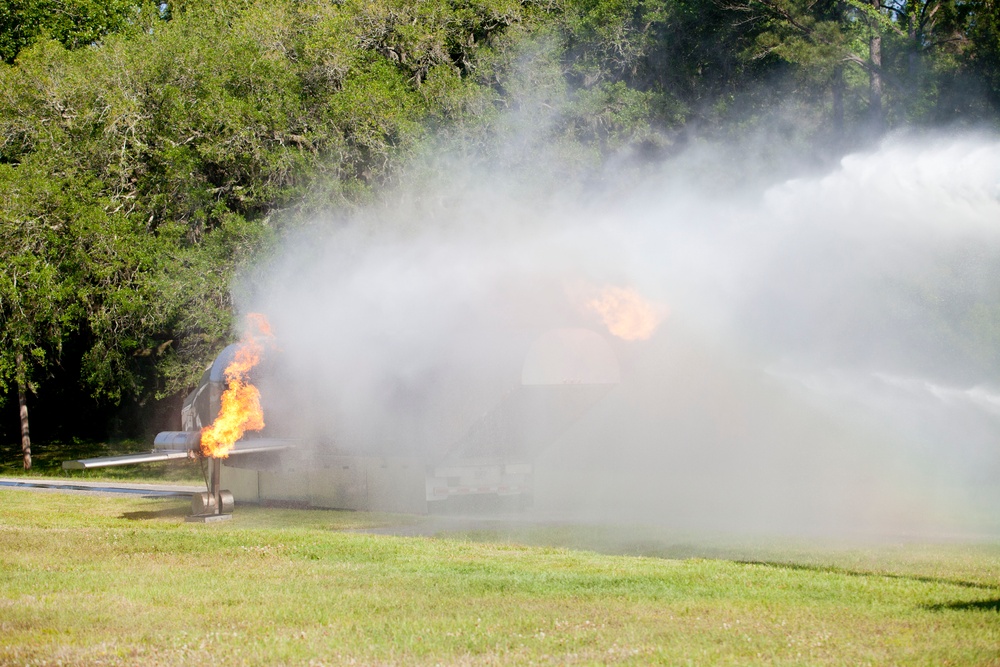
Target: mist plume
[(829, 362)]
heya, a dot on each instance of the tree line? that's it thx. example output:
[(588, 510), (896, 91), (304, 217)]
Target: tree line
[(150, 150)]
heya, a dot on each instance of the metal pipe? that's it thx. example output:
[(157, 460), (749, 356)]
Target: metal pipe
[(217, 484), (130, 459)]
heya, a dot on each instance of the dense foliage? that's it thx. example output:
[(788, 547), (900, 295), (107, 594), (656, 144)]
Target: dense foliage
[(148, 151)]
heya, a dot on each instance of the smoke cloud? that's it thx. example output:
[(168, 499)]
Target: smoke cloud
[(822, 352)]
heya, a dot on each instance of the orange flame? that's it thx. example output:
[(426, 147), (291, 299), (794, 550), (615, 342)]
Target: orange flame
[(240, 411), (626, 313)]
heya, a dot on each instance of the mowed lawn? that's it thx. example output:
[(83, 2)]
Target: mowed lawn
[(123, 580)]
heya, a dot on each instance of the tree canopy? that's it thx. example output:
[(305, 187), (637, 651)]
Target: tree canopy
[(150, 150)]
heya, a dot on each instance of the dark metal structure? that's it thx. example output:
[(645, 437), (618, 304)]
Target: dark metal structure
[(565, 372)]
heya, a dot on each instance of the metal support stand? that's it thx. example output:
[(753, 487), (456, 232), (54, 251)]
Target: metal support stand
[(216, 481), (214, 505)]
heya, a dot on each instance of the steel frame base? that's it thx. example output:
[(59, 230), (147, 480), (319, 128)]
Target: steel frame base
[(207, 518)]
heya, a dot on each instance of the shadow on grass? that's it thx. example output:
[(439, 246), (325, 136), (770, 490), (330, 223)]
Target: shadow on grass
[(977, 605), (831, 569), (612, 542), (165, 513)]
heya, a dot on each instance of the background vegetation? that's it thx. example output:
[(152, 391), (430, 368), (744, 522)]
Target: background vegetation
[(151, 151)]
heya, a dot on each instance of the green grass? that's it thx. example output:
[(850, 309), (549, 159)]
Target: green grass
[(108, 580), (47, 459)]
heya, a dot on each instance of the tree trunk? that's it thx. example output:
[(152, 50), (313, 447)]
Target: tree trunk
[(875, 74), (837, 88), (23, 404), (914, 37)]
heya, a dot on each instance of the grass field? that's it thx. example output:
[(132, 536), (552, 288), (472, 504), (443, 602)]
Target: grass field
[(123, 580)]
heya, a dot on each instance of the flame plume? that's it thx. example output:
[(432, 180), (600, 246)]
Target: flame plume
[(241, 409), (626, 313)]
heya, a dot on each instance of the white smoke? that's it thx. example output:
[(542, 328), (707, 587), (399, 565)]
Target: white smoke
[(752, 406)]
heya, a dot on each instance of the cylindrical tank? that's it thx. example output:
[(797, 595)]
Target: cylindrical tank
[(205, 503), (202, 503), (177, 440)]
